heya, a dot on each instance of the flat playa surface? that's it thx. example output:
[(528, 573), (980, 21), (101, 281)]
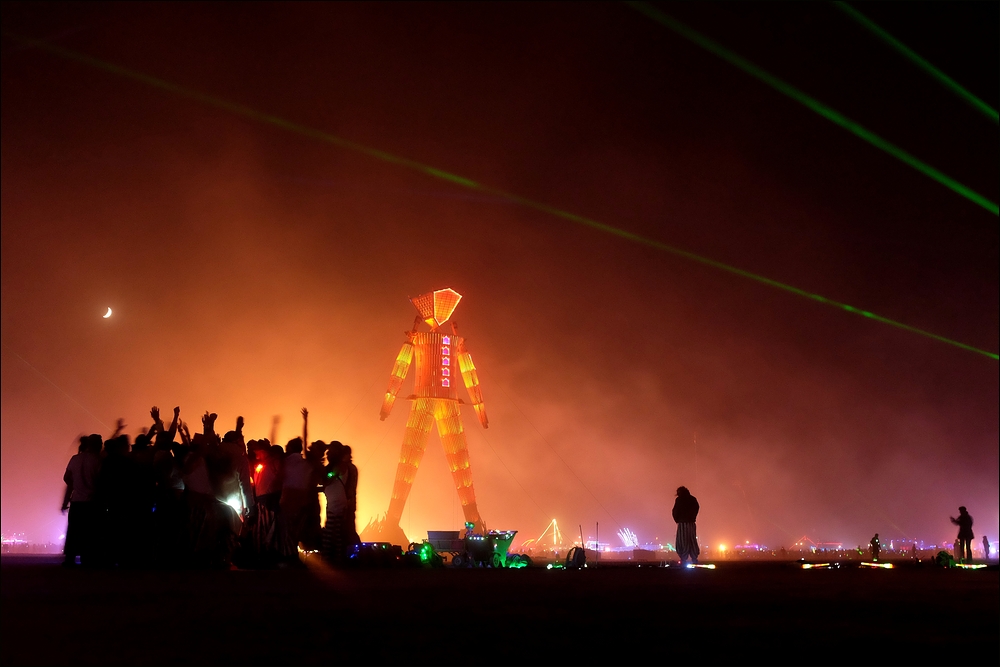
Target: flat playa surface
[(738, 613)]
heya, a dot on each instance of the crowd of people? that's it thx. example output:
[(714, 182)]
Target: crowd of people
[(207, 501)]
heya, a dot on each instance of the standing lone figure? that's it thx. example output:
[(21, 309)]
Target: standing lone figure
[(986, 548), (965, 536), (685, 513), (875, 547)]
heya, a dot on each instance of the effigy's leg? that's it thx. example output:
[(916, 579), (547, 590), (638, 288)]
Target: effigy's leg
[(449, 423), (418, 427)]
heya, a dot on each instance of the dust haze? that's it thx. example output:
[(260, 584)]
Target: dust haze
[(254, 271)]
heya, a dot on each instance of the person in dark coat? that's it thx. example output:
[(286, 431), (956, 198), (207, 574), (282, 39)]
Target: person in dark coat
[(685, 513), (965, 536)]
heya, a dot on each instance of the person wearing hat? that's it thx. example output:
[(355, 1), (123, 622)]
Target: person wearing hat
[(965, 536)]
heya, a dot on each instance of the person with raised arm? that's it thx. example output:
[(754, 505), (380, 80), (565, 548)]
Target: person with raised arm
[(200, 498), (311, 537), (298, 475), (168, 505), (119, 427), (238, 491)]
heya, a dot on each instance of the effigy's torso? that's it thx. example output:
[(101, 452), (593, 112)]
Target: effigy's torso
[(437, 372)]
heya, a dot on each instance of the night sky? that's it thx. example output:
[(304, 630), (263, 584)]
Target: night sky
[(254, 268)]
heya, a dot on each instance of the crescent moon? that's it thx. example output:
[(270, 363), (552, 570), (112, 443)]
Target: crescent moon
[(107, 314)]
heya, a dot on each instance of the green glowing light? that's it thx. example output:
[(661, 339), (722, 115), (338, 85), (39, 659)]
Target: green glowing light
[(823, 110), (943, 78), (427, 553), (319, 135)]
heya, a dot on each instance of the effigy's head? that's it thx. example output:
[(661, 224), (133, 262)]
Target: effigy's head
[(436, 307)]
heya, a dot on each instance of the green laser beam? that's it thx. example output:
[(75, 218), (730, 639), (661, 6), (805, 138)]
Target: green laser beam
[(812, 103), (319, 135), (942, 78)]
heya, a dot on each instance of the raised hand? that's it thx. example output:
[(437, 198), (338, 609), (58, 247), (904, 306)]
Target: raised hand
[(154, 412), (305, 414), (274, 428), (177, 412), (239, 424), (119, 426)]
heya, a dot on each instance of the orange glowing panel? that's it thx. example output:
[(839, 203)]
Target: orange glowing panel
[(436, 307), (431, 366)]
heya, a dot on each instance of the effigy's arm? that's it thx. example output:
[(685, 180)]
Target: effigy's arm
[(471, 379), (399, 370)]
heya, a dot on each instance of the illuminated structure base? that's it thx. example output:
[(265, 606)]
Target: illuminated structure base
[(380, 530)]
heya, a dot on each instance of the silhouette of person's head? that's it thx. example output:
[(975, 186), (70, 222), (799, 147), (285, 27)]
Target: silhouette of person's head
[(683, 491), (316, 451), (962, 510), (294, 446), (199, 443), (335, 453), (163, 439), (117, 446)]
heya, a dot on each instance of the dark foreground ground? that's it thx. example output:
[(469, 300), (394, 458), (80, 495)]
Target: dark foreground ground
[(738, 613)]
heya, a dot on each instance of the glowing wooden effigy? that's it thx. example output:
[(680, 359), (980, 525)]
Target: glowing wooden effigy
[(440, 359)]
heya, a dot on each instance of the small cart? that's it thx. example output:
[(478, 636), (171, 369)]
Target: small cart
[(489, 550)]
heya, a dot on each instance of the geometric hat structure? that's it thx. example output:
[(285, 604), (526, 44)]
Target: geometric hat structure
[(436, 307)]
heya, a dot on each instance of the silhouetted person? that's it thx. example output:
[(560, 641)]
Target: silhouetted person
[(965, 536), (168, 506), (986, 548), (334, 542), (143, 538), (118, 493), (685, 513), (351, 484), (875, 547), (238, 487), (311, 534), (298, 480), (213, 526), (81, 477), (266, 531)]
